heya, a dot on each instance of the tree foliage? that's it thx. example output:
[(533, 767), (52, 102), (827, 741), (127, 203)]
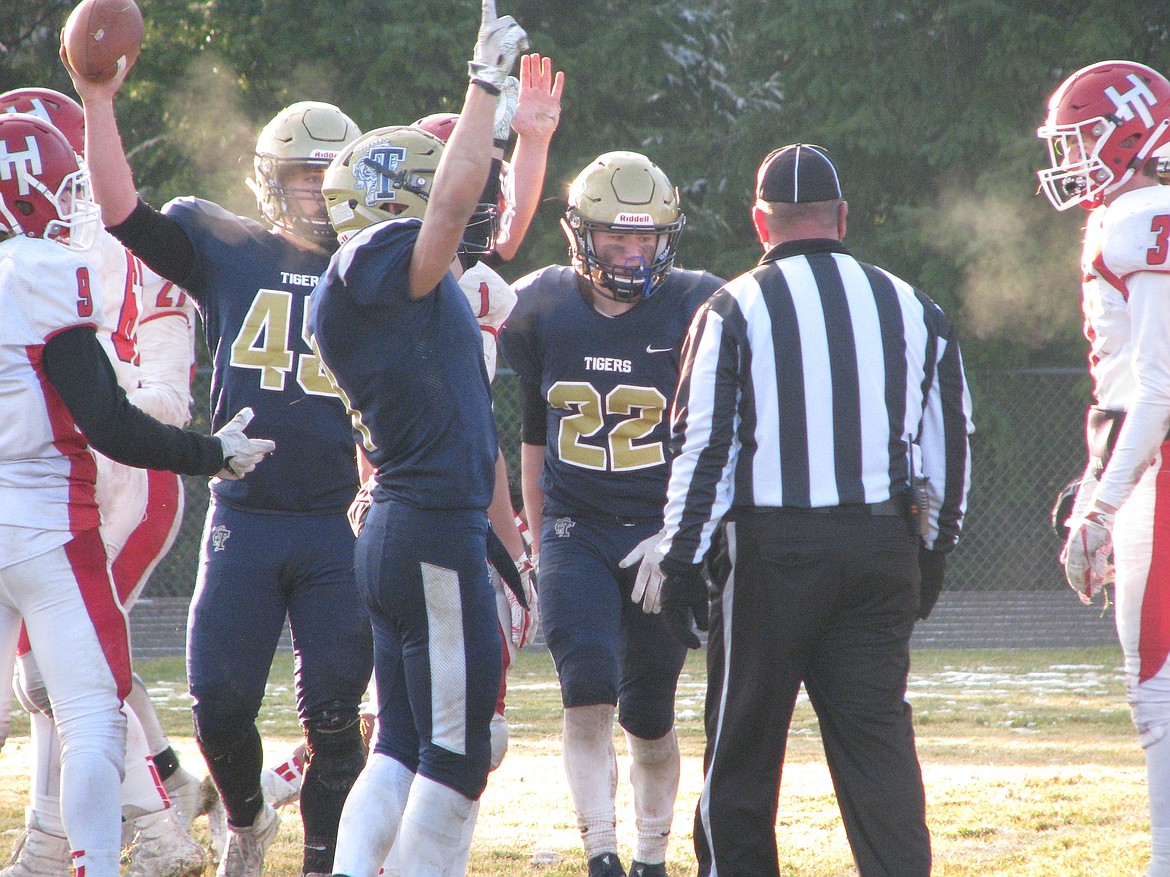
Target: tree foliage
[(930, 109)]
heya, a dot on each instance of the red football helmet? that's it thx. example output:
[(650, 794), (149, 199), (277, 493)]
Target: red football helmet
[(44, 184), (59, 110), (439, 124), (1103, 124), (483, 228)]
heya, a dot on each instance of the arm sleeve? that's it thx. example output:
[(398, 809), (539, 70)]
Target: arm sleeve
[(165, 343), (81, 374), (159, 241), (533, 428), (1147, 416)]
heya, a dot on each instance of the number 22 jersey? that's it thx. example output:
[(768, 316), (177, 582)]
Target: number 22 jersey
[(608, 384)]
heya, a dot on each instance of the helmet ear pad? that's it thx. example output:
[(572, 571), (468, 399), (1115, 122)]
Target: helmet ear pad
[(622, 193)]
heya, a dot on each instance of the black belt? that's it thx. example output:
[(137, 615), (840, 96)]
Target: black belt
[(894, 507)]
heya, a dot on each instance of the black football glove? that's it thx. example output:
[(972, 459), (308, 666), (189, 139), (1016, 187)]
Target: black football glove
[(684, 596), (933, 566)]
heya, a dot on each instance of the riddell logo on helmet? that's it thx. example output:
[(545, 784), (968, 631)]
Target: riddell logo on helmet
[(634, 219), (327, 154)]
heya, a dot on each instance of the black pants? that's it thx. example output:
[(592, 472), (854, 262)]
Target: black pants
[(830, 601)]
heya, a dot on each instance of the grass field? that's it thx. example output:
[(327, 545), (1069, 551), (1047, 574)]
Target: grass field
[(1031, 764)]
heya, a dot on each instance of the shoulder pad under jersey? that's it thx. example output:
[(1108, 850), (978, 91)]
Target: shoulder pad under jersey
[(1135, 235)]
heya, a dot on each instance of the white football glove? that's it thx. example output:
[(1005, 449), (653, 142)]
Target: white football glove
[(500, 42), (240, 453), (506, 108), (360, 507), (523, 620), (648, 584), (1088, 554)]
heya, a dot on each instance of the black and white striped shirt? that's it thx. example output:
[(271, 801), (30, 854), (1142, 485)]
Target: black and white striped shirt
[(811, 381)]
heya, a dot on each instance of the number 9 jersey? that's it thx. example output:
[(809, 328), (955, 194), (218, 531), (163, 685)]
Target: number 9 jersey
[(608, 384)]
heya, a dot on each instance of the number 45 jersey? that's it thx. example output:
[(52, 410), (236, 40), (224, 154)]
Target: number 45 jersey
[(252, 289), (608, 384)]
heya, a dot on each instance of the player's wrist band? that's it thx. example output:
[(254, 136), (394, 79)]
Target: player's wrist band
[(491, 89)]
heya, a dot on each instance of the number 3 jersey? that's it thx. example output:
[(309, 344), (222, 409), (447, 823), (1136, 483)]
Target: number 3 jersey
[(1125, 269), (252, 287), (608, 384)]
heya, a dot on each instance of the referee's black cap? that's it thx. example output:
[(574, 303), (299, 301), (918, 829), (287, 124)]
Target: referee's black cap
[(798, 173)]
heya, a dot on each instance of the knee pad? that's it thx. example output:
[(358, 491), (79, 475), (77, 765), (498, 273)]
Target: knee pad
[(657, 751), (588, 677), (1151, 734), (221, 732), (649, 716), (335, 749), (499, 740), (30, 688)]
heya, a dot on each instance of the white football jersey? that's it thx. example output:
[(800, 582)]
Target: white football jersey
[(47, 471), (148, 335), (491, 300), (1125, 269), (148, 331)]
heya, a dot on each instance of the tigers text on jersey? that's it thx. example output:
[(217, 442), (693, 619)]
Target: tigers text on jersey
[(608, 383), (247, 282), (801, 382), (47, 471), (411, 370), (1125, 290)]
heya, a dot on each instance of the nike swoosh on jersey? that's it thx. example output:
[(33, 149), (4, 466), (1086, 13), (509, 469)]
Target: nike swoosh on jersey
[(650, 348)]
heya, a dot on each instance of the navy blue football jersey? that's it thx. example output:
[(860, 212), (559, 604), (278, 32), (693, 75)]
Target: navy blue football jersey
[(608, 384), (411, 370), (251, 287)]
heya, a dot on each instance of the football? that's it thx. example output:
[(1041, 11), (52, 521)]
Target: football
[(99, 33)]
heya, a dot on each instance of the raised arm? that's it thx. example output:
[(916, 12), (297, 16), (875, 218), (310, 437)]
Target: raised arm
[(537, 115), (113, 182), (463, 169)]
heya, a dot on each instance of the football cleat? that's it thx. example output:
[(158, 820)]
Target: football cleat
[(37, 854), (647, 869), (161, 847), (186, 794), (244, 854), (606, 865)]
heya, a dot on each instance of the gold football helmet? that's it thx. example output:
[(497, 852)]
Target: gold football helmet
[(384, 174), (307, 134), (623, 193)]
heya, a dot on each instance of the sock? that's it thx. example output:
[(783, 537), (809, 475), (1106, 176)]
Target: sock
[(371, 816), (432, 826), (142, 789), (654, 774), (1156, 743), (591, 769)]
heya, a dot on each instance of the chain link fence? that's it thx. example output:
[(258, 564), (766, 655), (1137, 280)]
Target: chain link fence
[(1028, 444)]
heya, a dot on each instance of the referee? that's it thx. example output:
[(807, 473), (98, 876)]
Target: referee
[(815, 391)]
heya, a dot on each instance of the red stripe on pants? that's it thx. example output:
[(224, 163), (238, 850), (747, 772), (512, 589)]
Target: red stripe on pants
[(1154, 641), (146, 544), (87, 557)]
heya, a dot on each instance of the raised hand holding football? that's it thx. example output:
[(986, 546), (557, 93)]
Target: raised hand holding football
[(99, 34)]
